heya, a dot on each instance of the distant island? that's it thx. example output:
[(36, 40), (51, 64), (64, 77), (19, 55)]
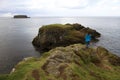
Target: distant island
[(21, 16)]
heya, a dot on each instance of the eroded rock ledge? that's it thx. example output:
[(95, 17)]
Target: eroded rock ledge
[(55, 35), (73, 62)]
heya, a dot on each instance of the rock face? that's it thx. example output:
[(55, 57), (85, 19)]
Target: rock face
[(54, 35), (73, 62), (21, 16)]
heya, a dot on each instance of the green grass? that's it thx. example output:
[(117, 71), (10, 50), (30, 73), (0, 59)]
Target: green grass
[(3, 77), (81, 66)]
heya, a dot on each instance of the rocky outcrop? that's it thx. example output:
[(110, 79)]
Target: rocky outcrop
[(70, 62), (21, 16), (73, 62), (54, 35)]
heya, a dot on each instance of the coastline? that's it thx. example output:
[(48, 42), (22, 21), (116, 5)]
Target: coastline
[(106, 40), (63, 59)]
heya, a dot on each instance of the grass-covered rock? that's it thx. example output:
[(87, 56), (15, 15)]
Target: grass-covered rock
[(54, 35), (73, 62)]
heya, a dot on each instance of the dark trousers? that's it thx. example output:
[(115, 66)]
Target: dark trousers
[(87, 44)]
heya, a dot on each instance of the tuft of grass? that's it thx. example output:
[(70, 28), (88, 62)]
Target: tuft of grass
[(73, 62), (4, 77)]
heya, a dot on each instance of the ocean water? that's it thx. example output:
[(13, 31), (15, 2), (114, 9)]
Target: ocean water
[(16, 36)]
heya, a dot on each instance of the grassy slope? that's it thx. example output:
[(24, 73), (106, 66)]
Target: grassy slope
[(82, 64)]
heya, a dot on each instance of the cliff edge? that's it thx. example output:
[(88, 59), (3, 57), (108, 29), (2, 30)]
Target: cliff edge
[(73, 62)]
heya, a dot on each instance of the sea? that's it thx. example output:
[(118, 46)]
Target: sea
[(16, 36)]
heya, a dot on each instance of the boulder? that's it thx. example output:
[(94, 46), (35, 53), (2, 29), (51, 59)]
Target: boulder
[(55, 35)]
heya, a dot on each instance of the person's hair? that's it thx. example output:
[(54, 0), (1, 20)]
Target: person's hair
[(88, 33)]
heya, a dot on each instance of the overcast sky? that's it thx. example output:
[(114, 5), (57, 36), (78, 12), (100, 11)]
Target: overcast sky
[(9, 8)]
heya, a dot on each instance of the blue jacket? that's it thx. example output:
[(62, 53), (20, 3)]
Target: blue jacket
[(87, 37)]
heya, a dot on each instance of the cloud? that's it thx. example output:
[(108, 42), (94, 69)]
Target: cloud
[(72, 4), (6, 14), (60, 7)]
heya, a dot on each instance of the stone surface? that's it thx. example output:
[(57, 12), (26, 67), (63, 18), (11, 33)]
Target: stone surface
[(69, 63), (55, 35)]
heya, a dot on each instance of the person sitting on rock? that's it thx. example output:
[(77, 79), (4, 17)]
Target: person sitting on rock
[(87, 39)]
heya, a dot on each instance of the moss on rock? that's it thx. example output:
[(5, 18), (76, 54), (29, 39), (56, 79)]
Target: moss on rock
[(68, 63), (55, 35)]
